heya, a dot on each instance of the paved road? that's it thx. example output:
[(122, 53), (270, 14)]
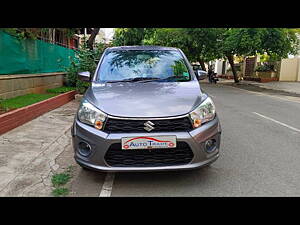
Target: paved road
[(260, 152)]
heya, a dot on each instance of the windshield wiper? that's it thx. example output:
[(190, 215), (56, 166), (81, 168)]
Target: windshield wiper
[(134, 79), (180, 78)]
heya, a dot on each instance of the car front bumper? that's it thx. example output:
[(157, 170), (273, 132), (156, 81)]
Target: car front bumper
[(101, 141)]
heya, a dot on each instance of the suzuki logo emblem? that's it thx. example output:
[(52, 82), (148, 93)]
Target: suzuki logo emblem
[(148, 126)]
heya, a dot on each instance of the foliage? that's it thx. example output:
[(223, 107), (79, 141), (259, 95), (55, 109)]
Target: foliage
[(33, 33), (199, 44), (239, 59), (19, 33), (264, 57), (240, 41), (70, 31), (60, 90), (24, 100), (169, 37), (61, 179), (279, 42), (205, 44), (85, 60), (265, 68), (60, 192), (213, 43), (276, 42), (131, 36), (251, 41)]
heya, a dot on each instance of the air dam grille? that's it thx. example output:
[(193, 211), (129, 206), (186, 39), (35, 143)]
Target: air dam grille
[(137, 126), (181, 155)]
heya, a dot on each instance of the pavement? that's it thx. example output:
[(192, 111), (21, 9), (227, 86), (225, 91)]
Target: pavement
[(29, 153), (259, 153), (283, 86), (290, 87)]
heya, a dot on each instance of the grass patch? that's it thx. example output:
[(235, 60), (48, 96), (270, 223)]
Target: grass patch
[(60, 192), (29, 99), (25, 100), (60, 90), (59, 180)]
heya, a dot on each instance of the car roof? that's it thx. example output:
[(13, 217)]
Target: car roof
[(141, 47)]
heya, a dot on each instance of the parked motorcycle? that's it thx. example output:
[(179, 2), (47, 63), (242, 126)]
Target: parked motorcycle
[(214, 78)]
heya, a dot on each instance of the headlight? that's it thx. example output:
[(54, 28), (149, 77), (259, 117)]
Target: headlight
[(89, 114), (203, 113)]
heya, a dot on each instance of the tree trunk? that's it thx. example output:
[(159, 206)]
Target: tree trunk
[(231, 62), (91, 39), (202, 64)]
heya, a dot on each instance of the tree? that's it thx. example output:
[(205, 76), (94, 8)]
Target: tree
[(172, 37), (203, 44), (129, 36), (206, 44), (199, 44), (277, 42), (85, 60), (169, 37), (46, 34), (90, 41)]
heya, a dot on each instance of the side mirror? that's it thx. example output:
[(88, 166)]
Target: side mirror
[(84, 76), (201, 74)]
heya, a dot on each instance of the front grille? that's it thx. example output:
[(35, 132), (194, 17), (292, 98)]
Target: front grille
[(137, 126), (180, 155)]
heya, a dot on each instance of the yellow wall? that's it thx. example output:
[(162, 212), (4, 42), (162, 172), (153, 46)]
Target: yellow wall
[(290, 70), (298, 71)]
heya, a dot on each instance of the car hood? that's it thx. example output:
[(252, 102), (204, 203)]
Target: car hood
[(145, 99)]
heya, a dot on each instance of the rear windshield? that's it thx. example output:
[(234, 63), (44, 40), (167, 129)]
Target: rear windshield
[(159, 65)]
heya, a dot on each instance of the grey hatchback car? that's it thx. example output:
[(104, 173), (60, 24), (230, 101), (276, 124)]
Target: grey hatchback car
[(145, 111)]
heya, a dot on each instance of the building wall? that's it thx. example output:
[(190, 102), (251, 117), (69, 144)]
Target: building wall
[(219, 66), (22, 84), (290, 69), (298, 72)]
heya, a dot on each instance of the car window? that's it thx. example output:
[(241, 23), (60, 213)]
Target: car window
[(158, 65)]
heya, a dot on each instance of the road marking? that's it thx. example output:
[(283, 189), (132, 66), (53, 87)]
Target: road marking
[(272, 96), (107, 185), (283, 124)]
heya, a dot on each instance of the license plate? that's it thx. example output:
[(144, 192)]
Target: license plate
[(146, 142)]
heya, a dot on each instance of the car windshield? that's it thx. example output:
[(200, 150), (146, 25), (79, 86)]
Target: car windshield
[(142, 65)]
